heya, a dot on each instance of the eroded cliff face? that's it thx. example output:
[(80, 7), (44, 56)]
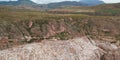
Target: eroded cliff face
[(19, 32), (51, 27), (74, 49)]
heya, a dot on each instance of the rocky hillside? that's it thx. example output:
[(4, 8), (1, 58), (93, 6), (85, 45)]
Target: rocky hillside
[(75, 49), (25, 26), (50, 36)]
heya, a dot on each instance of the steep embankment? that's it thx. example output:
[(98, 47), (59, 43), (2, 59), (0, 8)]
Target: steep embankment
[(25, 27), (75, 49)]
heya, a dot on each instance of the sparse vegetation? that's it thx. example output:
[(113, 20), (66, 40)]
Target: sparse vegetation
[(111, 12), (63, 36), (15, 24)]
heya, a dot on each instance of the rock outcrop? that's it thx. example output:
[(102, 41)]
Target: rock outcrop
[(59, 27), (74, 49)]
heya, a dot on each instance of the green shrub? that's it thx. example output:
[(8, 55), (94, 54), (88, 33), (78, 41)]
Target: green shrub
[(63, 36)]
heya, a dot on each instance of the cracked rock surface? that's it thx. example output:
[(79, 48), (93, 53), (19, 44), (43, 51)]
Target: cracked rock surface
[(74, 49)]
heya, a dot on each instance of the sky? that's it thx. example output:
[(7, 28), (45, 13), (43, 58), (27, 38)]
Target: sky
[(50, 1)]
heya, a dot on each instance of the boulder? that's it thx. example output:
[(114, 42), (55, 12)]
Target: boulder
[(74, 49)]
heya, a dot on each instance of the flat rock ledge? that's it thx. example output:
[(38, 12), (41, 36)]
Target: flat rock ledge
[(74, 49)]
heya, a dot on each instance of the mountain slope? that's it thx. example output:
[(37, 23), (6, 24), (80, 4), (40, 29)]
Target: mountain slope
[(107, 9), (103, 9), (91, 2), (19, 2), (74, 3), (64, 3), (53, 5), (107, 6)]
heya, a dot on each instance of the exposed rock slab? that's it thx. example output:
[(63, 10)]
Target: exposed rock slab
[(75, 49)]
